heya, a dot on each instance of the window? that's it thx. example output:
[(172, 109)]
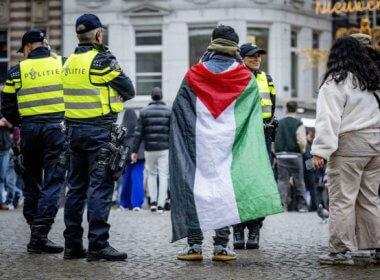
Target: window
[(294, 65), (148, 38), (148, 60), (315, 73), (294, 75), (260, 38), (293, 39), (199, 40), (3, 56), (148, 72)]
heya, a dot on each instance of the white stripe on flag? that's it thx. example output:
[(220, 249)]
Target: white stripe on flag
[(213, 190)]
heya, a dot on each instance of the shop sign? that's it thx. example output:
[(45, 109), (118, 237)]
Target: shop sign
[(327, 7)]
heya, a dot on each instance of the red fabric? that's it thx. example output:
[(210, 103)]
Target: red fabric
[(217, 90)]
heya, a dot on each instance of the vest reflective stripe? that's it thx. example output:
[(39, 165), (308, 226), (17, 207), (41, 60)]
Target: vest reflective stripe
[(42, 102), (22, 92), (83, 99), (266, 109), (114, 99), (265, 95), (81, 92), (83, 105), (41, 89), (116, 103), (266, 102)]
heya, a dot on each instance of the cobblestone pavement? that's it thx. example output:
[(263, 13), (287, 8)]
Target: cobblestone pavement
[(291, 243)]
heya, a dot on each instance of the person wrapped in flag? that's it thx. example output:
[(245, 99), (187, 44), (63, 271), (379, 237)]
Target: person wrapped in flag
[(220, 174)]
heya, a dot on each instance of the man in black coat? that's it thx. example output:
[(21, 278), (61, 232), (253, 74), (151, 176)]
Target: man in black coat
[(153, 129)]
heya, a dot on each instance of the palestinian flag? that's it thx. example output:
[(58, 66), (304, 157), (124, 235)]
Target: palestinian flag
[(220, 174)]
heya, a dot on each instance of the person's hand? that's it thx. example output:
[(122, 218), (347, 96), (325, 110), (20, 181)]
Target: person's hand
[(274, 163), (134, 157), (318, 162), (2, 122)]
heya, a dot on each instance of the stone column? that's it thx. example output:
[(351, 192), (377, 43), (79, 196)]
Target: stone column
[(305, 70), (175, 57), (279, 59), (325, 41)]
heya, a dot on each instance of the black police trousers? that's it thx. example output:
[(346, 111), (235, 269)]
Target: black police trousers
[(41, 147), (89, 180)]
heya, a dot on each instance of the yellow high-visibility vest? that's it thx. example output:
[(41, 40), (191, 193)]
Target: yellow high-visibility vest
[(265, 92), (41, 89), (85, 98)]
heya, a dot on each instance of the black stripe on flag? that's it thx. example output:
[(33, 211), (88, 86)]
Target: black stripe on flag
[(182, 163)]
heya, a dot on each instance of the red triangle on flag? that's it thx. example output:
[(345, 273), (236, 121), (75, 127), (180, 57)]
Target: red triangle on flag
[(218, 90)]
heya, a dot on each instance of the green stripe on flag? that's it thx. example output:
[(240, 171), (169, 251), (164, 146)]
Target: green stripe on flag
[(252, 176)]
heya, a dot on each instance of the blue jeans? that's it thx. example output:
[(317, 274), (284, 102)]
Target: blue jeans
[(41, 146), (132, 188), (11, 181), (89, 180), (4, 160)]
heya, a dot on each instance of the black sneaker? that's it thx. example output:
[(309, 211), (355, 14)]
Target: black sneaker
[(74, 253), (160, 210), (153, 207), (109, 253), (253, 239), (238, 239)]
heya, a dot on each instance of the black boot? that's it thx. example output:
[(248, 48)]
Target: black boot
[(253, 238), (108, 253), (74, 253), (39, 243), (238, 238)]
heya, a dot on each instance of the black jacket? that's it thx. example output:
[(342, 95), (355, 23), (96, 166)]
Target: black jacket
[(153, 127)]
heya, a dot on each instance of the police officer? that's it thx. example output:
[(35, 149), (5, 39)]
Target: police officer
[(95, 88), (33, 98), (252, 59)]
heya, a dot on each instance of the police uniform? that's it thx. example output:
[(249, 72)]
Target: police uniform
[(94, 90), (268, 102), (33, 99), (268, 105)]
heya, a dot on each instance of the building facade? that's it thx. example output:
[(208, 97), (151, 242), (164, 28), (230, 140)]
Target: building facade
[(19, 16), (156, 41)]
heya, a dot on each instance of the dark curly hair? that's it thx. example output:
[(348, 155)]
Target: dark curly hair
[(348, 55)]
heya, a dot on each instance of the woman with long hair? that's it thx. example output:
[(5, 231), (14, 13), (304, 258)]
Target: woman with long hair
[(348, 138)]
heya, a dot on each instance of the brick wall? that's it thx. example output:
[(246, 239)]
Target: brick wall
[(27, 14)]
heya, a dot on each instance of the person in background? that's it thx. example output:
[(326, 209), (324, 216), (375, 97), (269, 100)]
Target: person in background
[(348, 138), (14, 193), (5, 145), (153, 128), (310, 174), (290, 145), (251, 55), (132, 187), (14, 173)]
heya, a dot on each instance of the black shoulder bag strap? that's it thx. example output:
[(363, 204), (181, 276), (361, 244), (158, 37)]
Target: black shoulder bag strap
[(377, 98)]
